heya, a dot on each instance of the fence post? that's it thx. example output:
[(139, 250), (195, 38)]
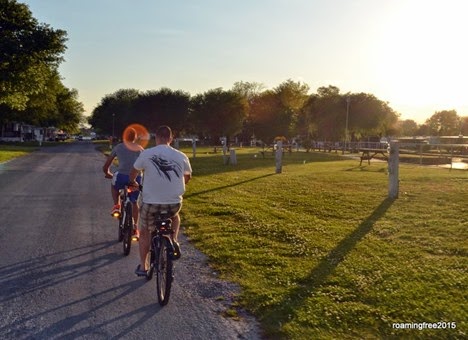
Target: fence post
[(279, 156), (393, 170)]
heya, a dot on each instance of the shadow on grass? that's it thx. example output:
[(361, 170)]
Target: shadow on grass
[(193, 194), (292, 302)]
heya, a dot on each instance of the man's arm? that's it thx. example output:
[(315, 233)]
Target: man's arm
[(133, 175), (105, 167), (187, 178)]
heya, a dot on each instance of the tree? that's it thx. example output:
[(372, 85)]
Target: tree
[(249, 91), (217, 113), (164, 107), (29, 52), (444, 123), (277, 112), (327, 113), (407, 128), (464, 126), (115, 112), (371, 116)]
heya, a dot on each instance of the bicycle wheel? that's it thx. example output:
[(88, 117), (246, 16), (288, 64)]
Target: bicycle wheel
[(164, 271), (149, 263), (127, 229), (121, 225)]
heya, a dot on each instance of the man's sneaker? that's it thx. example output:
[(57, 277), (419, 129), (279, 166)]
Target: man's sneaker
[(116, 211), (139, 271), (176, 254)]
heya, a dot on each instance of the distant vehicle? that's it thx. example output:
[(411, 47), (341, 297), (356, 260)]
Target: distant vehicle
[(60, 137)]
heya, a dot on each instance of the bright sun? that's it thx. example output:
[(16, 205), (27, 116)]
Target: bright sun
[(424, 54)]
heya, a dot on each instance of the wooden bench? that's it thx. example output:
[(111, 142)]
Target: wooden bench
[(368, 154)]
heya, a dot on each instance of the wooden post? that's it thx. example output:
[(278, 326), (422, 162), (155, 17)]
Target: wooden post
[(393, 170), (279, 157)]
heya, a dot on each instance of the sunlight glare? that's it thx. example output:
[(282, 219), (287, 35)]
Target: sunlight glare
[(424, 55)]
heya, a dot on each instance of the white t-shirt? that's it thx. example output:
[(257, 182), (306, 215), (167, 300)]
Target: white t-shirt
[(164, 169)]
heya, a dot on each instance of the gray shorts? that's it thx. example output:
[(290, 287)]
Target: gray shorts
[(148, 213)]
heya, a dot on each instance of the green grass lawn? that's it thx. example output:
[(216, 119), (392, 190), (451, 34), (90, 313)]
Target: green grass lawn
[(321, 253), (10, 151)]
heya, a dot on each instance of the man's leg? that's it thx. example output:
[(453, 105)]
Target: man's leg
[(135, 212), (143, 243), (175, 226), (115, 194)]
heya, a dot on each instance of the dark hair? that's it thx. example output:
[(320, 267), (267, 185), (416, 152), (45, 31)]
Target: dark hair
[(164, 132), (131, 134)]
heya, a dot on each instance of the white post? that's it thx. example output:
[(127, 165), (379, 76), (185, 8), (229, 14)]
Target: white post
[(347, 116), (176, 143), (225, 157), (233, 157), (279, 157), (393, 170)]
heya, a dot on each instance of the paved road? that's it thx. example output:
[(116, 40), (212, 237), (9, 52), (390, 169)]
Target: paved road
[(63, 275)]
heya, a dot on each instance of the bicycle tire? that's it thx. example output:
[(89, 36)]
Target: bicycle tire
[(121, 222), (127, 229), (164, 271), (149, 263)]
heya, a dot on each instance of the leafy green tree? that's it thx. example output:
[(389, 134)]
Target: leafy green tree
[(325, 114), (115, 112), (407, 128), (277, 112), (249, 91), (29, 53), (370, 116), (164, 107), (444, 123), (218, 113)]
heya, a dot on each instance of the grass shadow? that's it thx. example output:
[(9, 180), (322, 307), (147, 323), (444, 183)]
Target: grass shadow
[(293, 301), (193, 194)]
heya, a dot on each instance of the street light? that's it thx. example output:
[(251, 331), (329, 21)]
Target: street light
[(348, 99)]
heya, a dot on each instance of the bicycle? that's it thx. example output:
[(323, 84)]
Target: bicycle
[(160, 257), (125, 231)]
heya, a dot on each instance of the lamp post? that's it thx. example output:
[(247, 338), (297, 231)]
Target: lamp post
[(347, 116)]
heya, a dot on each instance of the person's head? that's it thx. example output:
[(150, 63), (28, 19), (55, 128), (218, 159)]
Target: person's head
[(163, 135), (131, 135)]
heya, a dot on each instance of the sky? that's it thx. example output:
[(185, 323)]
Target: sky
[(412, 54)]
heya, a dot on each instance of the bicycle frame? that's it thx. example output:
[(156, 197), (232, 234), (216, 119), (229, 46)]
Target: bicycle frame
[(125, 219)]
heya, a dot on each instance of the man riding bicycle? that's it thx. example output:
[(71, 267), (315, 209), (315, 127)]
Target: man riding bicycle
[(126, 153), (166, 171)]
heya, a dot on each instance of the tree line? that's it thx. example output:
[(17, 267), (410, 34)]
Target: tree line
[(249, 111)]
